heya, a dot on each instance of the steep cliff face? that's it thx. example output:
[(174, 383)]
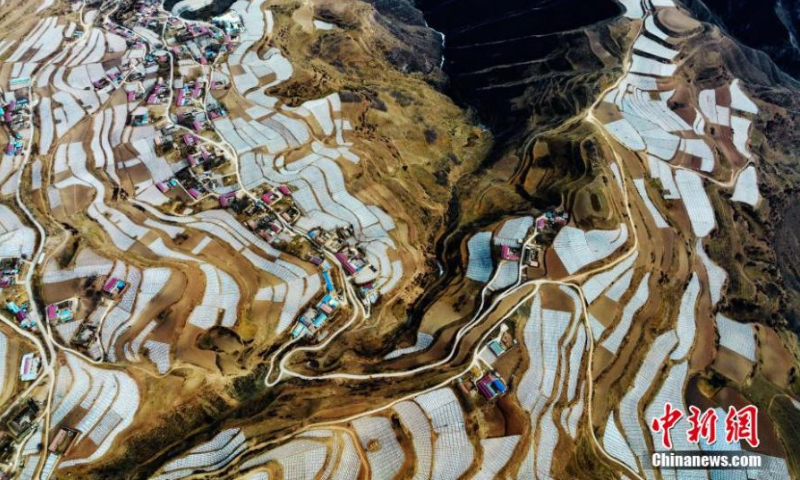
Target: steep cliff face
[(777, 146), (420, 48), (522, 66), (525, 65), (767, 25)]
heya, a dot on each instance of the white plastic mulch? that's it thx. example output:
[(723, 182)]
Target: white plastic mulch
[(577, 248), (739, 337)]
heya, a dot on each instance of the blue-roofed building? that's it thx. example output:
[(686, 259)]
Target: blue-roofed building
[(299, 330), (328, 282), (328, 304), (498, 386), (496, 348), (491, 385), (320, 320)]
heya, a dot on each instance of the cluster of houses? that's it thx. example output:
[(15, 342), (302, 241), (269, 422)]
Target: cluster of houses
[(483, 378), (15, 297), (274, 208), (216, 110), (354, 262), (144, 14), (100, 289), (343, 242), (553, 220), (111, 289), (16, 429), (65, 311), (85, 335), (22, 418), (62, 441), (547, 226), (267, 215), (13, 148), (198, 160), (510, 253), (196, 178), (19, 423), (186, 40), (486, 383), (187, 92), (323, 311), (532, 256), (114, 76), (158, 58), (6, 453), (19, 309), (266, 226), (139, 117), (280, 201), (10, 269), (15, 115), (358, 267), (61, 312), (194, 119), (158, 93), (19, 83), (192, 161), (199, 42), (491, 386), (15, 432), (133, 42)]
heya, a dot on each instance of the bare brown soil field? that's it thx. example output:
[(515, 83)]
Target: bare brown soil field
[(705, 335), (775, 362), (732, 365), (449, 310), (677, 22), (16, 348)]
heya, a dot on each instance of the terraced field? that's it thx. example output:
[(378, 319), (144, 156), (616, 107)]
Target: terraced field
[(262, 243)]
